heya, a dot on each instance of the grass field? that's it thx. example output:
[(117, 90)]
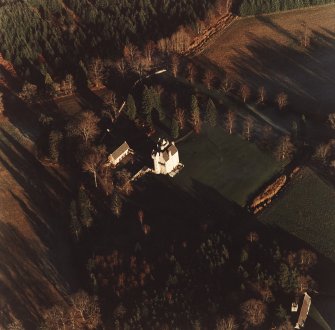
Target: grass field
[(227, 163), (307, 210), (266, 50)]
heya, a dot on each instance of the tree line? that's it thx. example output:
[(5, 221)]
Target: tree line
[(256, 7)]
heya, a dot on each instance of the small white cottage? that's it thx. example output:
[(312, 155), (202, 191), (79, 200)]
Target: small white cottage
[(166, 158), (120, 153)]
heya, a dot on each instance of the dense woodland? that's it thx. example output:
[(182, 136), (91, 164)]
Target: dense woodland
[(256, 7), (53, 36)]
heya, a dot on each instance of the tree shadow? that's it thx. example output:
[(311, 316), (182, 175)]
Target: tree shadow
[(36, 262)]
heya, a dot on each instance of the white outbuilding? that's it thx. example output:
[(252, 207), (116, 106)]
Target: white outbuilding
[(121, 152)]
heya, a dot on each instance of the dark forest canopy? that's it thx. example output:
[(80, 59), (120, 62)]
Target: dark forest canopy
[(44, 35)]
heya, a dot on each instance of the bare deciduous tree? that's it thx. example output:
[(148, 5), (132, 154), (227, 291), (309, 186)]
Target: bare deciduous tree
[(322, 152), (2, 108), (175, 61), (230, 121), (15, 325), (331, 119), (124, 182), (305, 35), (227, 84), (307, 259), (122, 66), (87, 308), (245, 92), (252, 237), (149, 50), (56, 318), (84, 125), (208, 78), (111, 106), (282, 100), (28, 93), (180, 117), (96, 73), (191, 72), (261, 94), (285, 148), (247, 127), (130, 53), (228, 323), (91, 164), (253, 312)]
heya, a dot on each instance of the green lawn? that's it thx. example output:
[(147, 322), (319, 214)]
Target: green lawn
[(234, 167), (307, 211)]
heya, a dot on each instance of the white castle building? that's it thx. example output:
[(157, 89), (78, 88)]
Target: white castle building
[(166, 158)]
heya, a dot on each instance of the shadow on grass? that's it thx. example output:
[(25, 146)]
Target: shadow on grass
[(34, 272)]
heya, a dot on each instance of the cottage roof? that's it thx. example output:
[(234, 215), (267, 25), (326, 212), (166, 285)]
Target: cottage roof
[(120, 150), (306, 304)]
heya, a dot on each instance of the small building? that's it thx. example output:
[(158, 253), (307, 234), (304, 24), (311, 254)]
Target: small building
[(166, 158), (304, 310), (121, 152)]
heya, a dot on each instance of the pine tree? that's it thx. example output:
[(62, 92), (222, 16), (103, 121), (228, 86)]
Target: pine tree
[(174, 128), (84, 206), (195, 115), (75, 225), (131, 107), (211, 113), (148, 101), (116, 205), (55, 140)]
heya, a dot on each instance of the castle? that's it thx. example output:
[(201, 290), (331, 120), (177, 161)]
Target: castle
[(166, 158)]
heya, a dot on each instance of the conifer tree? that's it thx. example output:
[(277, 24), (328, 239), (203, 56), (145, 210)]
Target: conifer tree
[(131, 107), (174, 128), (75, 225), (195, 115), (84, 206), (148, 101), (116, 204), (211, 113), (55, 140)]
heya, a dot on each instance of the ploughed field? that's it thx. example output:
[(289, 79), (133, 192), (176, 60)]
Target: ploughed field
[(267, 50)]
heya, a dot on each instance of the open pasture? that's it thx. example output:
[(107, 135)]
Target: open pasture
[(267, 51)]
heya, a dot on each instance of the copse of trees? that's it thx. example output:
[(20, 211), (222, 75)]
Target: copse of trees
[(256, 7)]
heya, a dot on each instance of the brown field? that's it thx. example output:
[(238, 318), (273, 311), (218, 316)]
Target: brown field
[(266, 50), (35, 269)]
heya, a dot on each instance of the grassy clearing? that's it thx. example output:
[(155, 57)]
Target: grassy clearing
[(266, 50), (306, 210), (227, 163)]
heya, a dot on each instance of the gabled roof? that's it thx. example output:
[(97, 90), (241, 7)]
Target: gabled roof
[(120, 150), (306, 304)]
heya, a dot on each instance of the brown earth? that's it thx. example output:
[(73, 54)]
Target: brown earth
[(35, 259), (266, 50)]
